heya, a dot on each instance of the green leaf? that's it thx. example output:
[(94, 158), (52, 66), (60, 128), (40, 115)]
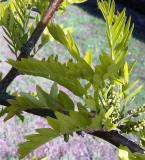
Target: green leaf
[(111, 12), (131, 66), (65, 100), (3, 111), (66, 39), (36, 140), (2, 9), (81, 70), (72, 46), (109, 112), (52, 70), (81, 119), (134, 93), (47, 100), (109, 125), (45, 38), (43, 100), (54, 123), (88, 57), (126, 73), (126, 154), (72, 122), (76, 1), (66, 123), (97, 121), (123, 154), (15, 23), (118, 29), (39, 5), (130, 88), (54, 90), (31, 28), (21, 103), (90, 103), (57, 33)]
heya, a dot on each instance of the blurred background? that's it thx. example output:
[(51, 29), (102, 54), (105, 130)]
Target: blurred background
[(89, 32)]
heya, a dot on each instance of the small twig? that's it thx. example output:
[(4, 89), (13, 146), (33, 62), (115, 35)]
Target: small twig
[(30, 44)]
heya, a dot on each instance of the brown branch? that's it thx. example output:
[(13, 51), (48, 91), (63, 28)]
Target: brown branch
[(112, 137), (30, 44), (116, 139)]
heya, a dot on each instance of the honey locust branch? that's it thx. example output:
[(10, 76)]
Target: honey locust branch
[(30, 44), (112, 137)]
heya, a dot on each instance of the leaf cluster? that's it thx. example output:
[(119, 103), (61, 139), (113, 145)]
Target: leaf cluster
[(104, 91)]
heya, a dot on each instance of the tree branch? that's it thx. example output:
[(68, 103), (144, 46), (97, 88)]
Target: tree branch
[(30, 44), (112, 137), (116, 139)]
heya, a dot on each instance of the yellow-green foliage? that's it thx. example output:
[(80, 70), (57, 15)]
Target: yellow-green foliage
[(103, 90)]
